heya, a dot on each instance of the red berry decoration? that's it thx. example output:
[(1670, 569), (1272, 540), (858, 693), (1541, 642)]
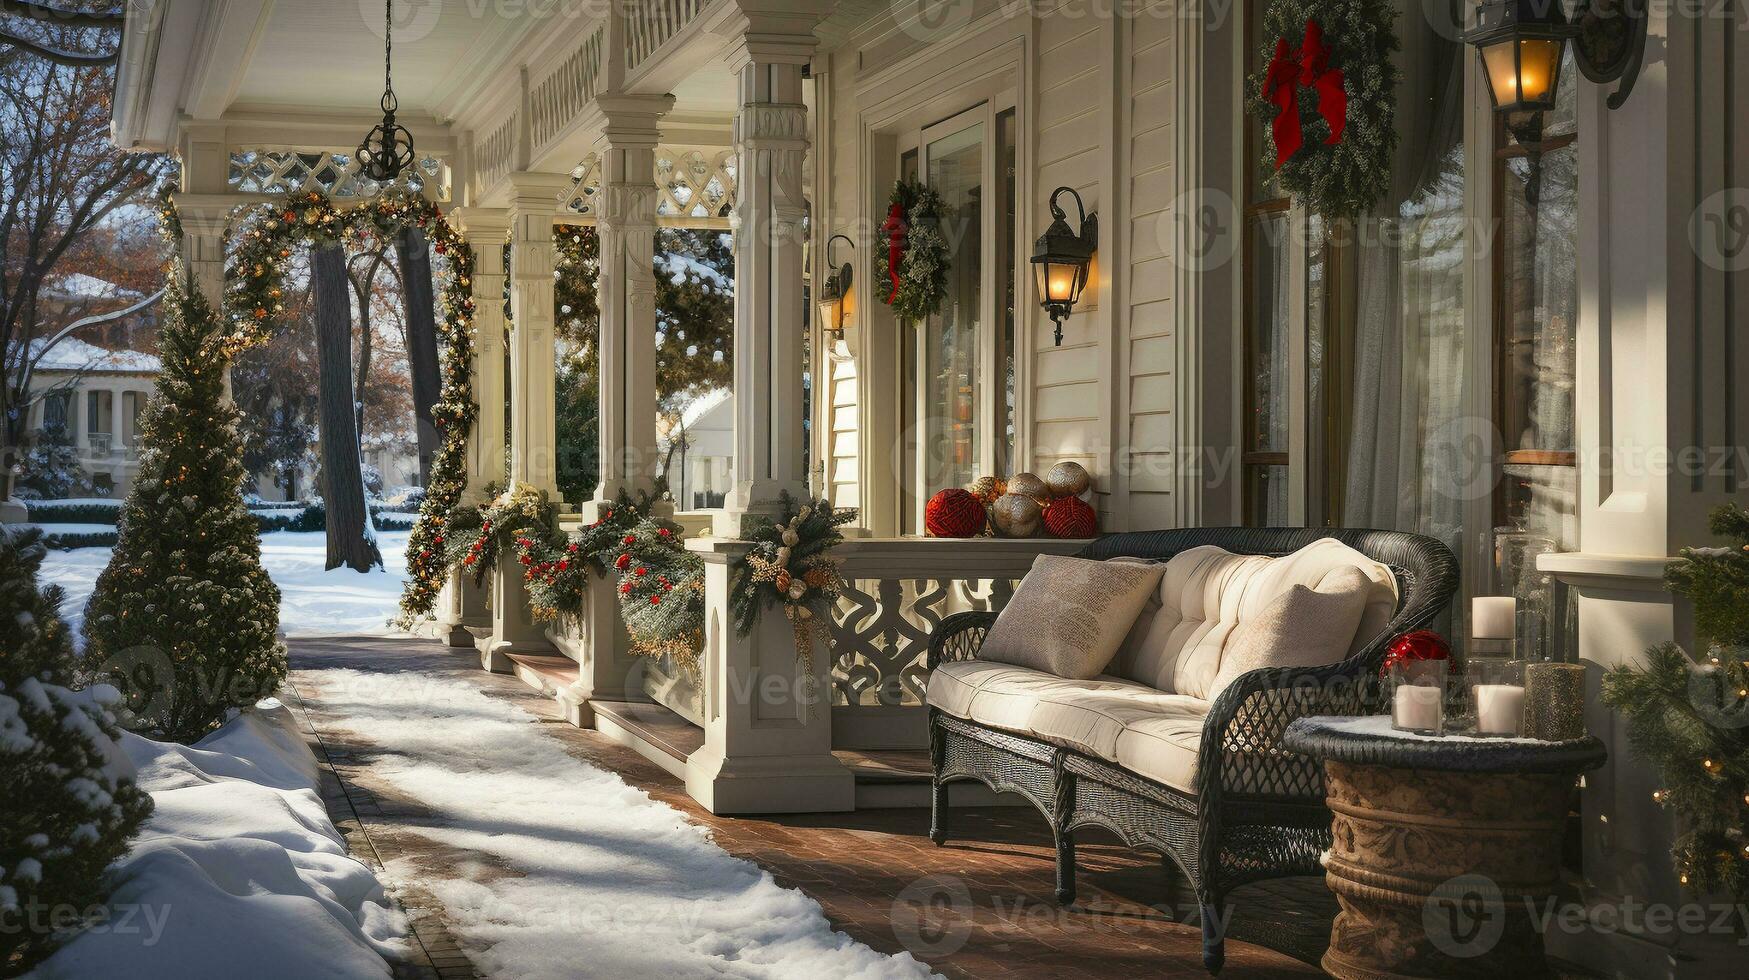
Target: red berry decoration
[(954, 513), (1419, 645), (1071, 517)]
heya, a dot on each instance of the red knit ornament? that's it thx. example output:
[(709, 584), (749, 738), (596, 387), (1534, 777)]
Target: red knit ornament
[(1419, 645), (954, 513), (1071, 517)]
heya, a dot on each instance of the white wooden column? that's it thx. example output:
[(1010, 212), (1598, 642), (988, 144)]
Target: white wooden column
[(464, 604), (487, 232), (771, 142), (626, 291), (533, 201), (204, 218)]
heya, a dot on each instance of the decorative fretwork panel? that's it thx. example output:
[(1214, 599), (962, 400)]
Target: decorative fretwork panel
[(263, 171), (651, 24), (881, 632), (695, 188), (495, 154)]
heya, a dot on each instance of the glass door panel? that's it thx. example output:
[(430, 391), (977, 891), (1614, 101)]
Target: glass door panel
[(954, 165)]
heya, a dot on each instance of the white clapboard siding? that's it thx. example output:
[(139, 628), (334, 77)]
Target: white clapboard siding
[(1070, 405), (1151, 181)]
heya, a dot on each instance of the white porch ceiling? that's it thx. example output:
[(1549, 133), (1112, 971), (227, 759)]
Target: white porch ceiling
[(328, 54)]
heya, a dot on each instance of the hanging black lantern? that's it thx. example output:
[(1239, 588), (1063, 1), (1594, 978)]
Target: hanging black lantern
[(388, 149), (1062, 257)]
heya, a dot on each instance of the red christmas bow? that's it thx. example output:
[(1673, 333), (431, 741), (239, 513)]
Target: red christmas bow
[(1309, 67), (894, 229)]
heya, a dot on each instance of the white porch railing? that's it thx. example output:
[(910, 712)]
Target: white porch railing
[(556, 101), (651, 24), (900, 589)]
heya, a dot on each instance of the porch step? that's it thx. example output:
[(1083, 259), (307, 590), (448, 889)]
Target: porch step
[(885, 778), (546, 673)]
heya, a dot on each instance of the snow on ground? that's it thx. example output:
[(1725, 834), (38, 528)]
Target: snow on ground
[(313, 602), (239, 872), (602, 880)]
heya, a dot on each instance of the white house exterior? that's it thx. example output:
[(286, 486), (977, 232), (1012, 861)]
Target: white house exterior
[(93, 397), (1465, 360)]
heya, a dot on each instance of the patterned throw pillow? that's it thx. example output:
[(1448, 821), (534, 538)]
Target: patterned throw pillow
[(1069, 615), (1301, 628)]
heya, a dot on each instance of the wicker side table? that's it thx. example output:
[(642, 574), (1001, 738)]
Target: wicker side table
[(1442, 846)]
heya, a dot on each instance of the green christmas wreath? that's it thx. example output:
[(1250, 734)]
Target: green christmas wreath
[(1327, 92), (912, 267)]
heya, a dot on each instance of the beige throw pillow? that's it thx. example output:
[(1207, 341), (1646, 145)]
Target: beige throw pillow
[(1300, 628), (1069, 615)]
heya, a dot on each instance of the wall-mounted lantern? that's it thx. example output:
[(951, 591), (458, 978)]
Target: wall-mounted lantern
[(1522, 42), (1062, 257), (835, 294)]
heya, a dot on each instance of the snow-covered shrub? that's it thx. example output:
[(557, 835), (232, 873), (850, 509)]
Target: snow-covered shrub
[(51, 468), (68, 803)]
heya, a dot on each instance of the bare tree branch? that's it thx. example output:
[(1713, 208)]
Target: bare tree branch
[(61, 15), (72, 59)]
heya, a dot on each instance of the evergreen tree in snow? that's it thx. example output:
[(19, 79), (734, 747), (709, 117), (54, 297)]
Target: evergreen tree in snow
[(185, 620), (51, 469), (68, 803)]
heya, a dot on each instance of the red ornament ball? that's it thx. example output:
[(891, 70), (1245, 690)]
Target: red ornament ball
[(1071, 517), (1419, 645), (954, 513)]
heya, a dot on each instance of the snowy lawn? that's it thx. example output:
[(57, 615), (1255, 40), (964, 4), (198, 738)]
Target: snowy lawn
[(313, 602), (239, 871), (579, 875)]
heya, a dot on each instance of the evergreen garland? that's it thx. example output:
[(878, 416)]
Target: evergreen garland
[(791, 566), (266, 238), (557, 567), (185, 618), (914, 218), (1691, 720), (1345, 178), (70, 802), (661, 592)]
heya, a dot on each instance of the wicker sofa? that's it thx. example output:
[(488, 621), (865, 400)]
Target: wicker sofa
[(1247, 809)]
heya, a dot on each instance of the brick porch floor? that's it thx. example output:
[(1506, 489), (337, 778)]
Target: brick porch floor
[(979, 907)]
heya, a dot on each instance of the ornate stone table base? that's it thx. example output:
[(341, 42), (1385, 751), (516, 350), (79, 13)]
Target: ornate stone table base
[(1437, 873), (1445, 851)]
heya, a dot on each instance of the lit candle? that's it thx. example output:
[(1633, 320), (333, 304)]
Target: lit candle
[(1418, 708), (1493, 617), (1499, 709)]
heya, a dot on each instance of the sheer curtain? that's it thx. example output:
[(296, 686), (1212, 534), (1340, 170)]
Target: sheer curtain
[(1407, 466)]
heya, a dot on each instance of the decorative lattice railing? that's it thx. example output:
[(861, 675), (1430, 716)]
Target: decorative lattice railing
[(695, 187), (900, 589), (652, 23), (559, 98), (275, 171)]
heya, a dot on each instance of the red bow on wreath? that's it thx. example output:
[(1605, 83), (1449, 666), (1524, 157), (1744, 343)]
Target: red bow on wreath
[(1308, 67), (894, 229)]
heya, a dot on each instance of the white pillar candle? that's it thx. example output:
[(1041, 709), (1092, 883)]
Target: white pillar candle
[(1493, 617), (1499, 709), (1418, 708)]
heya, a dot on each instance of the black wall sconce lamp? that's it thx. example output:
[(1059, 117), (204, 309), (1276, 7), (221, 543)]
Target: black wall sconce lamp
[(836, 292), (1522, 43), (1062, 257)]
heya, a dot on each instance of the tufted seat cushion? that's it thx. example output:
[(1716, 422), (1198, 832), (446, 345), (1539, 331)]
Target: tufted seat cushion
[(1106, 717)]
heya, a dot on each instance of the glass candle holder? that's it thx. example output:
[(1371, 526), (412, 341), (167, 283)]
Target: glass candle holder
[(1418, 696), (1495, 695), (1555, 701)]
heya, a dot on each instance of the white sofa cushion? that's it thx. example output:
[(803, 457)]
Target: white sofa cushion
[(1069, 615), (1207, 592), (1096, 717), (1302, 628)]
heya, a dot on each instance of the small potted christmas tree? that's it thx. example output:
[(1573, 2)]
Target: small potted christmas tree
[(1690, 718)]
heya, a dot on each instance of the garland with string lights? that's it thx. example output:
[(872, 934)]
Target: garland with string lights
[(1691, 720), (266, 238)]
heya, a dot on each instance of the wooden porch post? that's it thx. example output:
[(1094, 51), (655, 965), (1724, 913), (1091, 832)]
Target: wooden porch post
[(767, 712), (464, 604), (533, 201), (626, 224), (771, 142)]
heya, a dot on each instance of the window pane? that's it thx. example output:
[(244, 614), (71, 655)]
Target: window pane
[(1266, 496), (1267, 345), (955, 166), (1007, 306)]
